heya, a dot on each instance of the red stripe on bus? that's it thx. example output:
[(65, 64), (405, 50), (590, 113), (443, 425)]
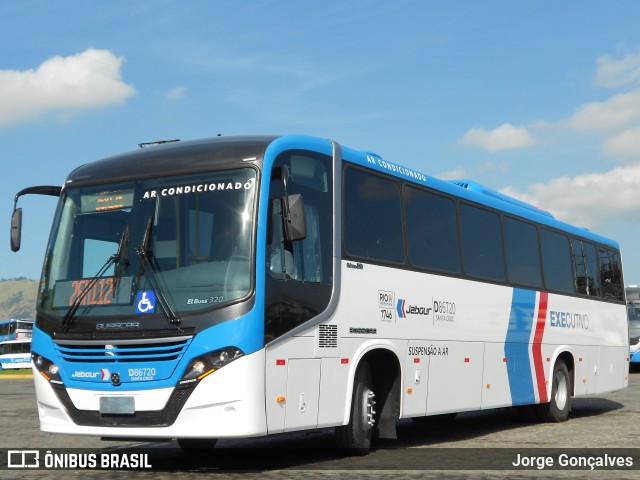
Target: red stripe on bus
[(537, 347)]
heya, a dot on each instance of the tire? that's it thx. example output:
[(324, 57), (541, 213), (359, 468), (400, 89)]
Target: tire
[(557, 409), (197, 443), (355, 437)]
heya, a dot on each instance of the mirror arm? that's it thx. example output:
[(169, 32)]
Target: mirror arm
[(284, 171), (16, 216)]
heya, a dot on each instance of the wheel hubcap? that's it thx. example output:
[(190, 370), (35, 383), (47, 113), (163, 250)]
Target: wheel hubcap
[(368, 402), (562, 391)]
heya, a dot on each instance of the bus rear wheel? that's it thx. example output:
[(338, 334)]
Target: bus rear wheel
[(557, 409), (355, 437)]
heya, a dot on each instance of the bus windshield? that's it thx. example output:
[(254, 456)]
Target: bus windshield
[(115, 248)]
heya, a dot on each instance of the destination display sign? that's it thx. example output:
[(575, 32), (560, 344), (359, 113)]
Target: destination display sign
[(102, 293), (106, 201)]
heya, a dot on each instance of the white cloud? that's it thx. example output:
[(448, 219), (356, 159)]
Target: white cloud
[(455, 174), (618, 73), (617, 112), (505, 137), (589, 199), (625, 144), (89, 79), (177, 93)]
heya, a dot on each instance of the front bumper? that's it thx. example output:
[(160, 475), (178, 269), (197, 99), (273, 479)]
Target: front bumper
[(228, 403)]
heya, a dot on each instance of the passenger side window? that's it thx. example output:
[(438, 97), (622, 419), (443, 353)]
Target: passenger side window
[(432, 233), (372, 217), (481, 239), (523, 253), (585, 263), (610, 274), (556, 261)]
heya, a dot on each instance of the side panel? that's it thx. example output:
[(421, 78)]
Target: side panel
[(495, 390), (334, 381), (462, 345), (612, 367), (292, 377), (455, 377), (471, 345), (303, 385), (415, 380), (583, 371)]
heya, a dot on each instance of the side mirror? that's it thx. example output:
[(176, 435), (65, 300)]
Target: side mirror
[(16, 229), (16, 217), (294, 218)]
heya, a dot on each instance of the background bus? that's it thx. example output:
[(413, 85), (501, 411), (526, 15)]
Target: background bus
[(15, 354), (633, 311), (248, 286), (13, 329)]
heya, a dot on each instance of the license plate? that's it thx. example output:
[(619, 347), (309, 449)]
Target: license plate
[(117, 405)]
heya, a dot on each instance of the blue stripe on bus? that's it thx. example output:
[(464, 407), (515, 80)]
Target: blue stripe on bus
[(516, 346)]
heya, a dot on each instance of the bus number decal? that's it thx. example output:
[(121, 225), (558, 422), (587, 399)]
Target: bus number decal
[(142, 374), (444, 311)]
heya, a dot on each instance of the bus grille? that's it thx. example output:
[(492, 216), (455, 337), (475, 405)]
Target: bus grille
[(160, 418), (121, 352)]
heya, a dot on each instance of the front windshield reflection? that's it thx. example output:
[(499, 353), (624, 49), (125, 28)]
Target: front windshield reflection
[(195, 230)]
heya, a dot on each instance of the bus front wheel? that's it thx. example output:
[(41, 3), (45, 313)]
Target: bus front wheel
[(355, 437), (557, 409)]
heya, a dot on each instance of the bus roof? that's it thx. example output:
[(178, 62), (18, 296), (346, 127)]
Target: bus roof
[(473, 192), (222, 152), (195, 156)]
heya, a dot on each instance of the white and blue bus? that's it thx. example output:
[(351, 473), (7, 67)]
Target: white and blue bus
[(248, 286), (13, 329), (633, 312), (15, 354)]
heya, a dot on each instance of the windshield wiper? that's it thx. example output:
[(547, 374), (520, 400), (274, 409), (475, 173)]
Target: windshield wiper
[(146, 266), (119, 259)]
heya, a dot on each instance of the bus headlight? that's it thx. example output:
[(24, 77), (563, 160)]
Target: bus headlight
[(47, 368), (208, 363)]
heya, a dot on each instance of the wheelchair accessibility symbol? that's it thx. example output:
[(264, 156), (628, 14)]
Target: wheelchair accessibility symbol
[(146, 302)]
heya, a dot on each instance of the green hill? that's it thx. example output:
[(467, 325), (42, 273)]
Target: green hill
[(18, 298)]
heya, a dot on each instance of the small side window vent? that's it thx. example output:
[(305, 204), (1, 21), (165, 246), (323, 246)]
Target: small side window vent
[(327, 336)]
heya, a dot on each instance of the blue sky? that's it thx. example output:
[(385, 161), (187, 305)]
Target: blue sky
[(539, 99)]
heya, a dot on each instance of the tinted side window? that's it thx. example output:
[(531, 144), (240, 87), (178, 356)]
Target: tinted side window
[(556, 261), (372, 217), (610, 274), (585, 262), (523, 253), (482, 254), (580, 265), (432, 234)]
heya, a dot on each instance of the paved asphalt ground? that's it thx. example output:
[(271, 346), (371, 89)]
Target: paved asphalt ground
[(475, 445)]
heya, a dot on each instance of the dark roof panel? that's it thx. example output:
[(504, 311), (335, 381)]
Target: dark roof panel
[(173, 159)]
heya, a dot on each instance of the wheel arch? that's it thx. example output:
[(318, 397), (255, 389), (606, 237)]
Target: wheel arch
[(566, 355), (386, 371)]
